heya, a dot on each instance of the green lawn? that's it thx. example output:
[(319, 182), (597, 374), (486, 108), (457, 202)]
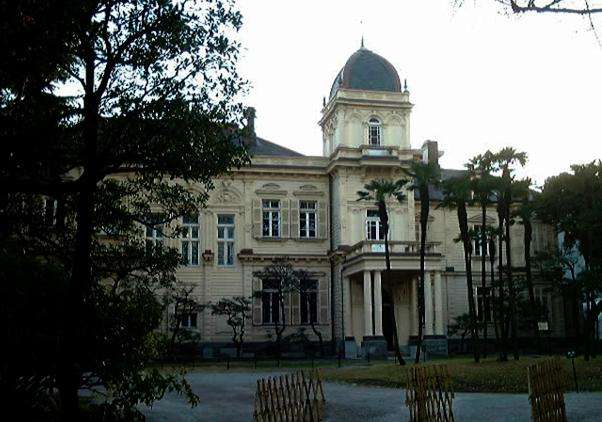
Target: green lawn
[(487, 376)]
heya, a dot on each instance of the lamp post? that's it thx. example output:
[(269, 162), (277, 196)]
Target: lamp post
[(571, 355)]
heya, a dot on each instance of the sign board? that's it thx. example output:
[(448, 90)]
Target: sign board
[(378, 247), (542, 326)]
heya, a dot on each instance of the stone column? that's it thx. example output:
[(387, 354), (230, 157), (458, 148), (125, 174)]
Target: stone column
[(438, 304), (378, 305), (367, 304), (428, 306), (414, 306), (347, 315)]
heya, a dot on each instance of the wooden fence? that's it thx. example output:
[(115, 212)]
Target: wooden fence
[(296, 397), (547, 383), (429, 394)]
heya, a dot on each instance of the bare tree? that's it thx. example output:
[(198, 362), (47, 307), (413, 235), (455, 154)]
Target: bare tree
[(305, 278), (573, 7), (237, 311), (185, 306), (284, 280)]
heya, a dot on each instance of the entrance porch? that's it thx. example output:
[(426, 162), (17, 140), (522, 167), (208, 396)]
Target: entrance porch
[(376, 303)]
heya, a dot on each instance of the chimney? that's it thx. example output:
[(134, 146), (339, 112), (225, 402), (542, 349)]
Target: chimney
[(430, 152), (249, 115)]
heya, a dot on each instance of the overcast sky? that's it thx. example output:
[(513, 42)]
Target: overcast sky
[(478, 77)]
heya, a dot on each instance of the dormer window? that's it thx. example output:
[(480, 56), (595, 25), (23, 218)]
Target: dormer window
[(374, 132)]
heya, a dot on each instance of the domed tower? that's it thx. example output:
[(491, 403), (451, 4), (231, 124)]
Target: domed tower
[(368, 108)]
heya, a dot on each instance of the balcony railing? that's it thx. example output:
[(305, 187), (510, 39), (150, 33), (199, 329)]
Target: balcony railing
[(395, 247)]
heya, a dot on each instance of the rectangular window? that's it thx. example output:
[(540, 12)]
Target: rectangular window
[(190, 239), (307, 219), (483, 304), (309, 302), (270, 302), (477, 247), (270, 217), (374, 228), (225, 239), (542, 295), (189, 320), (154, 235), (50, 207)]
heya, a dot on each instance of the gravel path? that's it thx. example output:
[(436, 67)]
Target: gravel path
[(229, 397)]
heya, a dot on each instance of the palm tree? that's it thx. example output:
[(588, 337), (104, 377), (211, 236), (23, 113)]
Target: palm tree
[(456, 194), (379, 191), (505, 159), (480, 168), (526, 213), (493, 234), (500, 302), (423, 175)]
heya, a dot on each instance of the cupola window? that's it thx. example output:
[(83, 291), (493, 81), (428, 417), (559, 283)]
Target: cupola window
[(374, 132)]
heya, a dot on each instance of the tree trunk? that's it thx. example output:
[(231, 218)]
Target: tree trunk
[(511, 289), (68, 373), (484, 272), (503, 349), (424, 213), (527, 238), (385, 217), (492, 298), (474, 332)]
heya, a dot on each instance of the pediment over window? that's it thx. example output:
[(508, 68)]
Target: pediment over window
[(270, 189), (226, 194), (308, 190), (271, 186), (476, 219)]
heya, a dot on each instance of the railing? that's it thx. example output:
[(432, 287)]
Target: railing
[(395, 247)]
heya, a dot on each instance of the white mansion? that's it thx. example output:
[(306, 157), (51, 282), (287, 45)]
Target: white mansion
[(305, 208)]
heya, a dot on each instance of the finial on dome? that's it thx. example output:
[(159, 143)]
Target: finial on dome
[(362, 44), (405, 84)]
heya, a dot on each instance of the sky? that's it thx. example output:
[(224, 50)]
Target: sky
[(479, 78)]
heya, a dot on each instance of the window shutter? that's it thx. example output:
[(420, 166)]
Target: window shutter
[(257, 317), (294, 219), (256, 218), (296, 309), (284, 211), (323, 302), (322, 220)]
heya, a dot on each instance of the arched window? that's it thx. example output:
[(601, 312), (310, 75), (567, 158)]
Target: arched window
[(374, 131)]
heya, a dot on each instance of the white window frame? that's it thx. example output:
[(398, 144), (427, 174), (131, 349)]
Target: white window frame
[(545, 298), (153, 235), (374, 132), (270, 213), (190, 240), (476, 243), (225, 241), (307, 209), (273, 296), (186, 320), (374, 220), (308, 311), (49, 218)]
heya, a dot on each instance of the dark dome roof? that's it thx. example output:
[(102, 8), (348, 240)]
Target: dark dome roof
[(368, 71)]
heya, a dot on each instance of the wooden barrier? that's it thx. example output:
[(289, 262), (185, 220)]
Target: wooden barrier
[(547, 383), (296, 397), (429, 394)]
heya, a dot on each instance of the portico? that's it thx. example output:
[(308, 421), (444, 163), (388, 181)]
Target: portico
[(371, 297)]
